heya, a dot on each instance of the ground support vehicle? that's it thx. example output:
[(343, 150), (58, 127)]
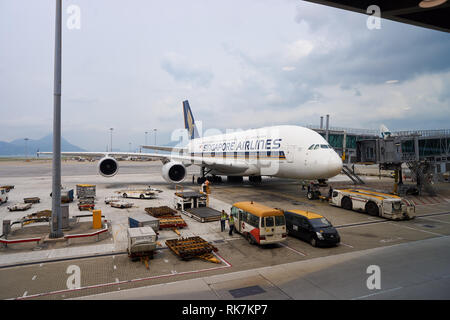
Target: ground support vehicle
[(162, 211), (20, 207), (85, 191), (259, 224), (141, 244), (32, 200), (3, 195), (149, 193), (143, 220), (193, 247), (189, 199), (311, 227), (374, 203), (86, 204)]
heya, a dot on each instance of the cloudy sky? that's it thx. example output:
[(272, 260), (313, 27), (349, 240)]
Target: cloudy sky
[(241, 64)]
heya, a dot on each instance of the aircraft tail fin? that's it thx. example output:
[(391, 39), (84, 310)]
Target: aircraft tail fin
[(385, 132), (189, 122)]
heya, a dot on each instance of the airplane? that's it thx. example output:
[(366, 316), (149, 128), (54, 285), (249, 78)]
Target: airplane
[(284, 151)]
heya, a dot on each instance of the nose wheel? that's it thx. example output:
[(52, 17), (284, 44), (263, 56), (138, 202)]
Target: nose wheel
[(314, 189)]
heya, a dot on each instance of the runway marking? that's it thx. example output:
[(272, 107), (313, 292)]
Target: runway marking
[(227, 265), (115, 267), (34, 277), (376, 293), (25, 294), (296, 251)]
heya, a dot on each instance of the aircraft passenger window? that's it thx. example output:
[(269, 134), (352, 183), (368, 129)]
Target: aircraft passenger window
[(316, 147)]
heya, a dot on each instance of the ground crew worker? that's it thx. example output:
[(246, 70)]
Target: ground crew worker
[(203, 187), (223, 218), (207, 187), (231, 224)]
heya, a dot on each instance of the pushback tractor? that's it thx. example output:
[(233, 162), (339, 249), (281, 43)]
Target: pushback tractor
[(374, 203)]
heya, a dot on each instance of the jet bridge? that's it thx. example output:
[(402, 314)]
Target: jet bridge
[(426, 153)]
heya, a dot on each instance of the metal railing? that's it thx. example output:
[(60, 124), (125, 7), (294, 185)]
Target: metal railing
[(424, 133)]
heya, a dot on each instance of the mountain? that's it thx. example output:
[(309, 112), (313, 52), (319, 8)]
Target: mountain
[(19, 147)]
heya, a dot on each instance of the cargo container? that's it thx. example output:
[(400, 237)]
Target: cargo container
[(143, 220)]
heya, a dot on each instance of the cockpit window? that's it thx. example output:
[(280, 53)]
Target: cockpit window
[(316, 146), (324, 146), (311, 147)]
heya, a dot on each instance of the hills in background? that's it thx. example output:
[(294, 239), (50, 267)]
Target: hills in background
[(19, 147)]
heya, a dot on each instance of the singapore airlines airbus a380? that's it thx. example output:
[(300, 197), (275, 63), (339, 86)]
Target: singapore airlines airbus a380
[(279, 151)]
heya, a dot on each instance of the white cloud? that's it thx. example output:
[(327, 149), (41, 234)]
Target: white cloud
[(391, 81), (299, 49), (288, 68)]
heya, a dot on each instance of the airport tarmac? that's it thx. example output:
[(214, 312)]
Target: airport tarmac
[(292, 270)]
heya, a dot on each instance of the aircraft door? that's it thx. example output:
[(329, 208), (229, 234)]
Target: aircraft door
[(290, 153)]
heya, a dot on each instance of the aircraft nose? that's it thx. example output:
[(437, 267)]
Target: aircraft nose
[(334, 165)]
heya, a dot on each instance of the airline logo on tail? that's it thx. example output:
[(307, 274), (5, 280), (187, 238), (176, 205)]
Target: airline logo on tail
[(189, 122)]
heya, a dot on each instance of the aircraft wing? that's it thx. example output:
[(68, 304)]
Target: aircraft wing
[(169, 149), (107, 154), (210, 162)]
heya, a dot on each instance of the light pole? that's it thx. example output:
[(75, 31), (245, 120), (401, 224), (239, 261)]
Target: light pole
[(129, 146), (56, 221), (26, 148), (155, 136), (111, 138), (146, 137)]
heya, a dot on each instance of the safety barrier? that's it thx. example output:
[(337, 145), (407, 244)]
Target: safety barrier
[(6, 241), (86, 235)]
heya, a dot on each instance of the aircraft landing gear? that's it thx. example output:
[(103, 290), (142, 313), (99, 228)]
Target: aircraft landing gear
[(235, 179), (204, 177), (314, 189), (255, 179)]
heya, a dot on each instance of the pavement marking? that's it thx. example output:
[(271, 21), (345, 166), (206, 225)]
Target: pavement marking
[(117, 280), (166, 261), (347, 245), (433, 233), (440, 221), (376, 293), (391, 240), (25, 294), (41, 265), (34, 277), (227, 265), (115, 267), (296, 251)]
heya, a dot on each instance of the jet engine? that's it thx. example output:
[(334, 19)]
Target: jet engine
[(173, 172), (108, 167)]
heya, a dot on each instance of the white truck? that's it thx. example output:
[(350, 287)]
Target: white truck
[(149, 193), (3, 195), (374, 203)]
